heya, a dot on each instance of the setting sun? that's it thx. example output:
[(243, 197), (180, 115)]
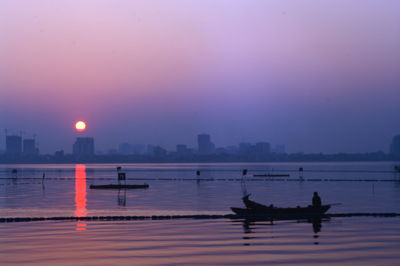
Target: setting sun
[(80, 126)]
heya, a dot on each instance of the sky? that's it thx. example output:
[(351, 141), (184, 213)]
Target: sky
[(317, 76)]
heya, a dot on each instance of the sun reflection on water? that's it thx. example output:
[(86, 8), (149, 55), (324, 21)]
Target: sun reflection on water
[(80, 195)]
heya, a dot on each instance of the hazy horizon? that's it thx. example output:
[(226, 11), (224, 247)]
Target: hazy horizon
[(315, 76)]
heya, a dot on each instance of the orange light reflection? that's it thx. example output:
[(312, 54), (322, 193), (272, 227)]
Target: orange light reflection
[(80, 195)]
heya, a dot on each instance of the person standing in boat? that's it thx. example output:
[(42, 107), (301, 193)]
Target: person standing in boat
[(316, 200)]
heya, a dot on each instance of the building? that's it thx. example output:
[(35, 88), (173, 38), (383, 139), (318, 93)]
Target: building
[(112, 152), (232, 149), (263, 148), (245, 148), (59, 154), (159, 152), (30, 147), (221, 151), (83, 147), (395, 147), (149, 149), (205, 146), (13, 145), (280, 149), (125, 148), (138, 149), (181, 149)]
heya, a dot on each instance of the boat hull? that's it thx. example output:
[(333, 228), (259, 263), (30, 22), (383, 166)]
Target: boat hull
[(274, 212)]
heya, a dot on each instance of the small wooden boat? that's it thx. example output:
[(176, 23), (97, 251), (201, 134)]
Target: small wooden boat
[(254, 209), (282, 212), (118, 186)]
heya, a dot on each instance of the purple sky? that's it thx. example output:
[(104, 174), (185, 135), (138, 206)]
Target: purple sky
[(318, 76)]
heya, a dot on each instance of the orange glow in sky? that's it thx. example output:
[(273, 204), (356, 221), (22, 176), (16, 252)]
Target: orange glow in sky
[(80, 126)]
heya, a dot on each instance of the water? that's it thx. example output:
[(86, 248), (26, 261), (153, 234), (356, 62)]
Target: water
[(175, 190)]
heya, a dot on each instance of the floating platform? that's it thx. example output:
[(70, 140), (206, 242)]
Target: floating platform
[(118, 186)]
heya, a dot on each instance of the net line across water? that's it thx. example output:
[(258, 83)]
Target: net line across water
[(173, 217)]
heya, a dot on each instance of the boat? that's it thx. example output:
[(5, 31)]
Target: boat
[(254, 210), (118, 186)]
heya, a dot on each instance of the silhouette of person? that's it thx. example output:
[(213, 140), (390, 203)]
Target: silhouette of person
[(316, 200)]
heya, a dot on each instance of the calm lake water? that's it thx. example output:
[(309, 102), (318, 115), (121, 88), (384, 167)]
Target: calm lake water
[(174, 190)]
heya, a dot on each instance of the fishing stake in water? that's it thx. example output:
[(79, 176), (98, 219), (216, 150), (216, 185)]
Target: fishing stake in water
[(301, 177), (243, 183)]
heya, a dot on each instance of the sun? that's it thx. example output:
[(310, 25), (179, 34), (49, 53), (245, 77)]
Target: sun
[(80, 126)]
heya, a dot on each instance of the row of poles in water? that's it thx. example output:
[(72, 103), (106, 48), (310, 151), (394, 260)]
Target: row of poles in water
[(122, 175)]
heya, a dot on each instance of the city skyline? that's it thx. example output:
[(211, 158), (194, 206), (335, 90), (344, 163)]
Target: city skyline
[(84, 145), (83, 148), (151, 72)]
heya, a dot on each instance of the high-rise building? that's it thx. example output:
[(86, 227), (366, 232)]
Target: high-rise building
[(83, 147), (280, 149), (262, 148), (395, 147), (30, 147), (138, 149), (159, 152), (204, 144), (13, 145), (150, 149)]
